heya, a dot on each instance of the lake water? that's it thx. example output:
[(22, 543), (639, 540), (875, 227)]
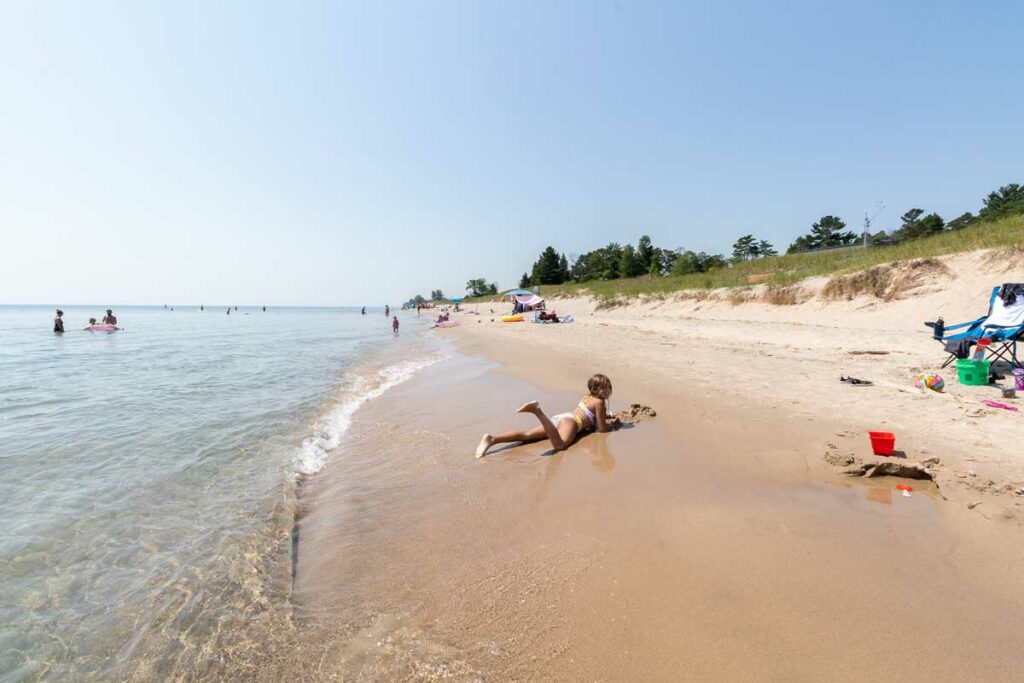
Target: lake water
[(149, 475)]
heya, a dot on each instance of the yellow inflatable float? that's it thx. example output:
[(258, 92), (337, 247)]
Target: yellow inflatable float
[(512, 319)]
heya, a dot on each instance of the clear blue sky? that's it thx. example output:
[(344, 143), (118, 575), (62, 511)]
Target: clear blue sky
[(347, 154)]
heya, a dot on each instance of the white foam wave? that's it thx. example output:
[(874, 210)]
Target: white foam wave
[(315, 450)]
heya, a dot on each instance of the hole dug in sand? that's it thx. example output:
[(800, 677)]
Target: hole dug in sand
[(880, 467)]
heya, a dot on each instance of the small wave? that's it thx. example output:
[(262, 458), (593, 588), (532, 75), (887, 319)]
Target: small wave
[(315, 450)]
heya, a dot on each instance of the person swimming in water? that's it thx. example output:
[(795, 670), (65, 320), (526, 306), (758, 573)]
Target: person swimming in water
[(590, 414), (58, 322), (103, 327), (109, 318)]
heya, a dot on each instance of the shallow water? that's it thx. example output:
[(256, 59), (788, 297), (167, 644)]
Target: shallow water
[(149, 475)]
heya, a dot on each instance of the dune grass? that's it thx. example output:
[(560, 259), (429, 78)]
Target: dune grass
[(779, 271)]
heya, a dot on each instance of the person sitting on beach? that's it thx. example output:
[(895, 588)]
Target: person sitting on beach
[(109, 318), (591, 413), (58, 322), (551, 317)]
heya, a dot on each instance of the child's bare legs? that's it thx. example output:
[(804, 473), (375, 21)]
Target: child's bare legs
[(560, 439), (488, 440)]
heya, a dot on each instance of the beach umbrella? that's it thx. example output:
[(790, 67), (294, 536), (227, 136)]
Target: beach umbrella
[(456, 299), (521, 292)]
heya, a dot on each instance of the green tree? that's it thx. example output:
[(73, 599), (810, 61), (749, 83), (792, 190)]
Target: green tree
[(492, 288), (910, 218), (629, 262), (915, 226), (932, 224), (827, 232), (524, 281), (802, 243), (744, 249), (961, 221), (690, 262), (666, 259), (436, 294), (478, 287), (548, 268), (657, 265), (764, 248), (645, 253), (1008, 200), (563, 269), (599, 264)]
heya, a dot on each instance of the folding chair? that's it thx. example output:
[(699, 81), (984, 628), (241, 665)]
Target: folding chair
[(1003, 326)]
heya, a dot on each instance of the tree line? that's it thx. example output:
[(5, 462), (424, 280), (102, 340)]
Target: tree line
[(614, 261), (476, 287)]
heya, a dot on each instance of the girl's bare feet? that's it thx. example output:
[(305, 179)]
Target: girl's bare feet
[(486, 442), (530, 407)]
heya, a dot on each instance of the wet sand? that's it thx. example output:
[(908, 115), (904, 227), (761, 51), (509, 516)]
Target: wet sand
[(709, 543)]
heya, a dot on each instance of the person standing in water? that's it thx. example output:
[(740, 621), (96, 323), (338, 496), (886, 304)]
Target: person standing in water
[(387, 310), (394, 325), (201, 308), (229, 310), (109, 318), (364, 310), (264, 309), (58, 322)]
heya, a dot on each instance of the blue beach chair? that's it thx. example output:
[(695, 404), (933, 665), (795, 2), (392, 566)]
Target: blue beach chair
[(1003, 325)]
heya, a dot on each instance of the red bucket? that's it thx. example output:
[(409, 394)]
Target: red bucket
[(882, 443)]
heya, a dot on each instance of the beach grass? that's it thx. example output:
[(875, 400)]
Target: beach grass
[(779, 271)]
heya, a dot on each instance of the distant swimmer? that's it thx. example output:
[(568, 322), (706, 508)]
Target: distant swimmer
[(236, 308), (229, 310), (109, 318), (387, 310), (394, 325), (201, 307), (58, 322), (264, 309), (103, 327), (364, 310)]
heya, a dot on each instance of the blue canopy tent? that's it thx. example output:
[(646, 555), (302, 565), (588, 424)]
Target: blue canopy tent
[(456, 299)]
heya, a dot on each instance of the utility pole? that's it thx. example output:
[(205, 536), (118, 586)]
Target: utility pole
[(867, 222)]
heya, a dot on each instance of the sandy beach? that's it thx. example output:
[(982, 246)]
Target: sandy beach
[(715, 541)]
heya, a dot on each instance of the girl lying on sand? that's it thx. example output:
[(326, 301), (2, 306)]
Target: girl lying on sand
[(562, 429)]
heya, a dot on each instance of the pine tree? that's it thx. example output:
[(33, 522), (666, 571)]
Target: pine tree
[(548, 268)]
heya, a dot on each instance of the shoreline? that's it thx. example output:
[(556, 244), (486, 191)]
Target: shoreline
[(710, 541)]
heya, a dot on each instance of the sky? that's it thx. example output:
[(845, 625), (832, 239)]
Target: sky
[(349, 154)]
